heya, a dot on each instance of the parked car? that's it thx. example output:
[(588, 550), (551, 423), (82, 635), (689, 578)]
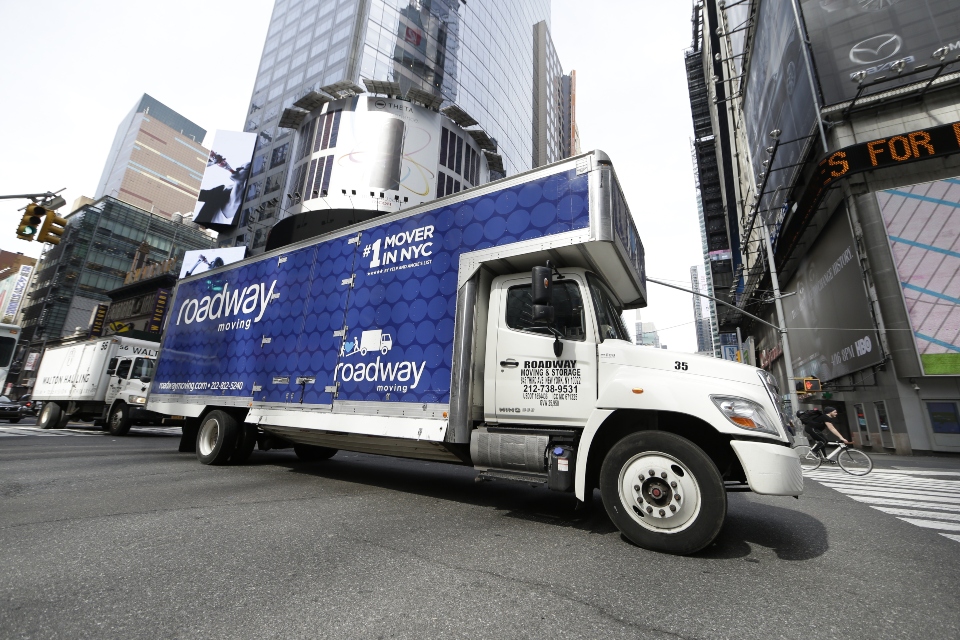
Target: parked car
[(11, 410), (32, 407)]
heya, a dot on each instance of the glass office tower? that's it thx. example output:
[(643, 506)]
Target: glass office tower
[(478, 55)]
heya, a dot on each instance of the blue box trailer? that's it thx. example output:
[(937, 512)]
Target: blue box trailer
[(413, 335)]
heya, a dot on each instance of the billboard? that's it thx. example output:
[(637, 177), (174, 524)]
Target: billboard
[(850, 36), (225, 180), (921, 223), (778, 97), (831, 329), (376, 153), (201, 260), (12, 290)]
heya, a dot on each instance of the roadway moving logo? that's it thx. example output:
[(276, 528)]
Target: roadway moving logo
[(229, 303), (396, 376)]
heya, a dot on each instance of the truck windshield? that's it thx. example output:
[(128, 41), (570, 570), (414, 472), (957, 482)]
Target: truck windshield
[(610, 325), (143, 368)]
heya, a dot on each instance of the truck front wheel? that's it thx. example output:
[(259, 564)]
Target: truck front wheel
[(217, 438), (49, 416), (663, 492), (118, 423)]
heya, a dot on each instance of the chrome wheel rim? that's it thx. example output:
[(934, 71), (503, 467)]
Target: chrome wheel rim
[(659, 492), (209, 433)]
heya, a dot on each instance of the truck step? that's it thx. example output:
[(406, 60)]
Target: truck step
[(515, 476)]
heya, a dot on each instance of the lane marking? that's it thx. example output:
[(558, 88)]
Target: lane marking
[(917, 497)]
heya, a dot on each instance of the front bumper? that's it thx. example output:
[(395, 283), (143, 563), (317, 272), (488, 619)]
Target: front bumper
[(771, 469)]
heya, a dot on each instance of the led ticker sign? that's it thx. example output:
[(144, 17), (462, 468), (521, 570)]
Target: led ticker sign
[(935, 142)]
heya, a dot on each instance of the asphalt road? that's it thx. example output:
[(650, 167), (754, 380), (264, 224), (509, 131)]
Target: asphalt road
[(124, 537)]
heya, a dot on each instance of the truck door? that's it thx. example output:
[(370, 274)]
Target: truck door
[(118, 380), (533, 385)]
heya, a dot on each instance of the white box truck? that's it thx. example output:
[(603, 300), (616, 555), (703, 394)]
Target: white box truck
[(506, 352), (104, 380)]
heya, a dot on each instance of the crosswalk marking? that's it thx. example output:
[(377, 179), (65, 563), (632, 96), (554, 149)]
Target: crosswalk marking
[(924, 498), (37, 431)]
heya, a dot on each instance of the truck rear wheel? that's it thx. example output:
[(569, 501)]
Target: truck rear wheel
[(49, 416), (217, 438), (663, 492), (118, 423), (313, 453), (246, 441)]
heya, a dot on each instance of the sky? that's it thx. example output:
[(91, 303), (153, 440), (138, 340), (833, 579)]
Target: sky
[(70, 71)]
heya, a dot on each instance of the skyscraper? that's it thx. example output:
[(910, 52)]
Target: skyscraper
[(704, 319), (478, 56), (156, 161)]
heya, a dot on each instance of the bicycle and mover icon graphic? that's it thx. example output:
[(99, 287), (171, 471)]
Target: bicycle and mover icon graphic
[(373, 340)]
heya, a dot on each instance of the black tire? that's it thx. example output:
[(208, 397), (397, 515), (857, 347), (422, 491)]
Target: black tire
[(49, 416), (246, 441), (217, 437), (684, 500), (809, 461), (118, 422), (188, 437), (855, 462), (313, 453), (14, 420)]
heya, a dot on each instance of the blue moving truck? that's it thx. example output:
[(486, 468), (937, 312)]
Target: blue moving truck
[(440, 333)]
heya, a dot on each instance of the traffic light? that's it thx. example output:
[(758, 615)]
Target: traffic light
[(30, 222), (53, 227), (809, 385)]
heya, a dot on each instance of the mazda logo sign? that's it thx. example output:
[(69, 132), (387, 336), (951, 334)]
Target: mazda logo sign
[(876, 48)]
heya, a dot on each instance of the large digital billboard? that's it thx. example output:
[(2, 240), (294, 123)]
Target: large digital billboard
[(201, 260), (850, 36), (922, 222), (831, 329), (225, 180), (778, 97)]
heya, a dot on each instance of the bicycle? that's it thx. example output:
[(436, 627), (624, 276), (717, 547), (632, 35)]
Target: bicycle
[(853, 461)]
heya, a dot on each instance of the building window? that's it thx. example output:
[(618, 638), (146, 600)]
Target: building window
[(259, 165), (279, 155), (253, 191), (441, 184), (944, 417), (273, 183)]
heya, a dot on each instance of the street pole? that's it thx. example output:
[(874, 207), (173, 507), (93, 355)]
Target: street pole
[(788, 361)]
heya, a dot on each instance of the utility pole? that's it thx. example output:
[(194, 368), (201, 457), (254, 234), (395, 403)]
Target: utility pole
[(788, 361)]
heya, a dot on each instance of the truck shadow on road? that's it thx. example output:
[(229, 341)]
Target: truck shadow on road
[(789, 533), (458, 484)]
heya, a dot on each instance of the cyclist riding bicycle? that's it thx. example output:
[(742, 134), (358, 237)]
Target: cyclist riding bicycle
[(815, 427)]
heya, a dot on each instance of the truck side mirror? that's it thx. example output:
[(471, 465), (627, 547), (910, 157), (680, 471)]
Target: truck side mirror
[(542, 281), (542, 293)]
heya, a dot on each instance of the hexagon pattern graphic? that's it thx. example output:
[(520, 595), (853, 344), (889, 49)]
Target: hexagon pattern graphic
[(267, 329)]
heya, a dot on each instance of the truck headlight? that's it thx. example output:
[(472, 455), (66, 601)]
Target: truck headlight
[(138, 400), (746, 414)]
